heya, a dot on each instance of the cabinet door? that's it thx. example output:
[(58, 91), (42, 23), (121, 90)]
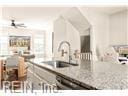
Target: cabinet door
[(34, 80), (46, 75), (30, 66)]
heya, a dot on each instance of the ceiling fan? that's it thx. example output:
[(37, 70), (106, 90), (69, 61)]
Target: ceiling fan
[(17, 25)]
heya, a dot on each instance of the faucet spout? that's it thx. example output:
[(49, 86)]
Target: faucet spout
[(65, 42)]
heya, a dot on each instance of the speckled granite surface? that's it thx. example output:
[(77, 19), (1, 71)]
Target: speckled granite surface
[(100, 75)]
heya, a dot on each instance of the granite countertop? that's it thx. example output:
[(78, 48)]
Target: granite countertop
[(99, 75)]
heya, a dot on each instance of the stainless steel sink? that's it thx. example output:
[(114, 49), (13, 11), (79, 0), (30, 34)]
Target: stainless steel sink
[(59, 64)]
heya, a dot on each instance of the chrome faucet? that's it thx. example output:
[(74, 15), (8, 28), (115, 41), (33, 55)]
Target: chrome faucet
[(59, 49)]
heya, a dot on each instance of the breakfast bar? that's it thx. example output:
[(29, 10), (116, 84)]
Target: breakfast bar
[(94, 74)]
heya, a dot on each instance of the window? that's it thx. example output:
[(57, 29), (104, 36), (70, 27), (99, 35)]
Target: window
[(39, 45), (4, 45)]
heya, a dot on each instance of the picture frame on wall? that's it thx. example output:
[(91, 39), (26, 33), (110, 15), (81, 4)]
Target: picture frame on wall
[(19, 41)]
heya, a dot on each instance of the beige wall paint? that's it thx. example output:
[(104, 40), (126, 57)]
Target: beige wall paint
[(64, 31), (99, 31), (118, 28), (7, 31), (59, 35)]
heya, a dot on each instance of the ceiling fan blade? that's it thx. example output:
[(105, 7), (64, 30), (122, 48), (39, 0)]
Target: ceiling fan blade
[(22, 26), (19, 24), (15, 26)]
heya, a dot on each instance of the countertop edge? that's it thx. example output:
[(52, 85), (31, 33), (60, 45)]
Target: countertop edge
[(89, 87)]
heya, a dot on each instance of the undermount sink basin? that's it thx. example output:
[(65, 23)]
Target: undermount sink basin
[(59, 64)]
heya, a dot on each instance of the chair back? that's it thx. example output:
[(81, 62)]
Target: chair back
[(12, 62)]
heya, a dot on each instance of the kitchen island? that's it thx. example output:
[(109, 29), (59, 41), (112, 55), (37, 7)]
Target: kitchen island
[(92, 74)]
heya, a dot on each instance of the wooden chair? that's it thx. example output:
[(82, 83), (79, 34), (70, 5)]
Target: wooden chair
[(20, 72), (1, 71), (12, 68), (22, 69)]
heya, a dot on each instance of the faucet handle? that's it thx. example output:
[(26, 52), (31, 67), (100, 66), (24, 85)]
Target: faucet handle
[(76, 54), (63, 52)]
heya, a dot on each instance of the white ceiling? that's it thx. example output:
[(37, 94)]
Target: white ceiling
[(42, 16), (26, 13), (107, 9), (36, 16)]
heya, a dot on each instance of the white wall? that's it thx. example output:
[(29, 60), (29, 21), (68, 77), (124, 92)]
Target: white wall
[(64, 31), (48, 42), (127, 26), (106, 30), (0, 12), (118, 28), (73, 37), (74, 16), (100, 30), (0, 17), (59, 35), (7, 31)]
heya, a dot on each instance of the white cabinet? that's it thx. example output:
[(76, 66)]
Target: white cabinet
[(47, 76), (44, 75), (32, 79)]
